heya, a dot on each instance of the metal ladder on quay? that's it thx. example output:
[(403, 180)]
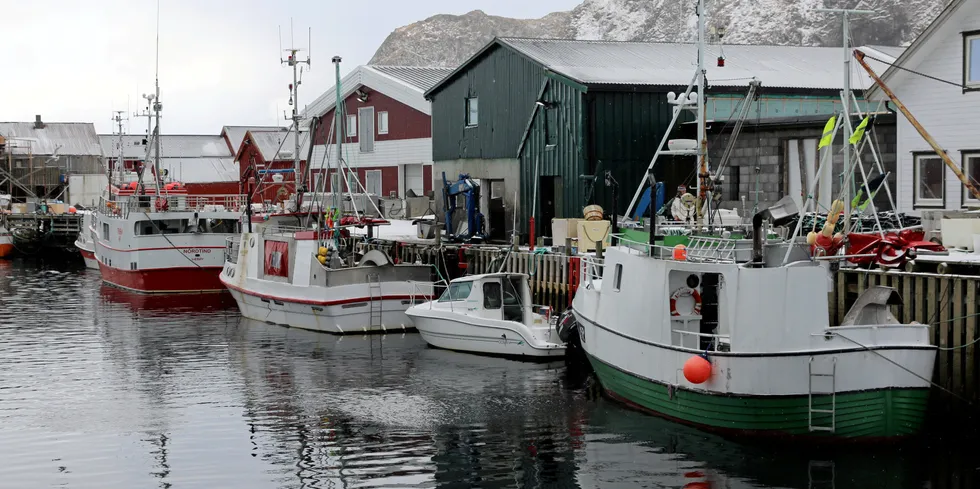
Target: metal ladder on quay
[(374, 287), (822, 376)]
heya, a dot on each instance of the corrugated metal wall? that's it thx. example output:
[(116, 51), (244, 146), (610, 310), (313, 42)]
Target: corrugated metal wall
[(506, 84), (565, 158)]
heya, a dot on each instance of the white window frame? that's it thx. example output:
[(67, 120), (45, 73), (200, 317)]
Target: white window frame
[(383, 122), (476, 119), (351, 125), (967, 199), (926, 203), (967, 55), (381, 187)]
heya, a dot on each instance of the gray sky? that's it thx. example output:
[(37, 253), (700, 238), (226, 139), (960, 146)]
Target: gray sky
[(77, 61)]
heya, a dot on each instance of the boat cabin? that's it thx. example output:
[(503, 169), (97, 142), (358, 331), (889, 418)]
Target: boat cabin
[(499, 296)]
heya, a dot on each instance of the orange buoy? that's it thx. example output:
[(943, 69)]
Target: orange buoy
[(697, 369), (72, 210), (680, 252)]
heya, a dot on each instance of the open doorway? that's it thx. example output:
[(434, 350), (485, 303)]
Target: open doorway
[(549, 201)]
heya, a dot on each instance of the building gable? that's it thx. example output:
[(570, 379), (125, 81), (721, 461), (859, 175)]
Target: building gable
[(404, 121)]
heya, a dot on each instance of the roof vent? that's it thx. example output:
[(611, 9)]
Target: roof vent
[(38, 124)]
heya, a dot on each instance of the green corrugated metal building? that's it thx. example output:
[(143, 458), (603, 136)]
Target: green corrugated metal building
[(534, 115)]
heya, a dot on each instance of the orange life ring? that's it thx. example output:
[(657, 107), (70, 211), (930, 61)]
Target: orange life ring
[(682, 292)]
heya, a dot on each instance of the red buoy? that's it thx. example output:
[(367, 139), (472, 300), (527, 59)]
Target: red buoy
[(697, 369)]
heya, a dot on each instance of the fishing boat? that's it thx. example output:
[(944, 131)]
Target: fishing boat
[(87, 237), (695, 336), (489, 314), (6, 241), (151, 235), (299, 268)]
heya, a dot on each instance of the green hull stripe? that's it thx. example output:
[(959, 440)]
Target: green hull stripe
[(883, 413)]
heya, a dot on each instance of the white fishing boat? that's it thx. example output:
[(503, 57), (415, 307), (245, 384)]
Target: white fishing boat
[(490, 314), (293, 269), (87, 237), (748, 348), (6, 241)]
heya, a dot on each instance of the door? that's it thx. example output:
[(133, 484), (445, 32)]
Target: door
[(496, 222), (414, 180), (365, 132), (372, 182), (547, 204)]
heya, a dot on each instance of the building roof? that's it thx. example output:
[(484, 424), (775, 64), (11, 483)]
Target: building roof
[(171, 146), (404, 84), (598, 63), (278, 145), (235, 134), (421, 77), (914, 54), (201, 170), (65, 138)]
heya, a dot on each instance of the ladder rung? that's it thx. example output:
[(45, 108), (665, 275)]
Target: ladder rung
[(822, 428), (822, 411)]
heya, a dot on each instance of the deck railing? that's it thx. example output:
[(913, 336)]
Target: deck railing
[(170, 203)]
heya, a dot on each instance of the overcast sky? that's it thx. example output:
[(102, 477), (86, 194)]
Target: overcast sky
[(77, 61)]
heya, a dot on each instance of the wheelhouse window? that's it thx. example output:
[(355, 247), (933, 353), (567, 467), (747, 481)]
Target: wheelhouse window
[(929, 182), (618, 279), (456, 292), (971, 60), (351, 125), (472, 111), (971, 168), (492, 297)]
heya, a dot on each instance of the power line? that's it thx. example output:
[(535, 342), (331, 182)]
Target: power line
[(957, 85)]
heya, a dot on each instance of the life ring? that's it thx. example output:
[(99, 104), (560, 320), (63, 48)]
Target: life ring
[(682, 292)]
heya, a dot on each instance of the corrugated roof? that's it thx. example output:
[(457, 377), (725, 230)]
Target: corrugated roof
[(236, 134), (673, 64), (279, 146), (421, 77), (201, 170), (67, 138), (171, 146)]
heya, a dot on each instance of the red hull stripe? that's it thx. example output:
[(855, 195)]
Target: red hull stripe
[(324, 303), (165, 248), (87, 254), (165, 280)]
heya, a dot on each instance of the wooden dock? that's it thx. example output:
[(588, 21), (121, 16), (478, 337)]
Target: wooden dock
[(42, 233)]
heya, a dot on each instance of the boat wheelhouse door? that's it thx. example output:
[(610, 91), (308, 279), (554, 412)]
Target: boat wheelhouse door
[(515, 298)]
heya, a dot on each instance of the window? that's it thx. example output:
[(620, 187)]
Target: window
[(551, 125), (372, 182), (472, 111), (929, 181), (971, 60), (492, 298), (618, 279), (365, 135), (734, 183), (351, 125), (382, 123), (971, 168), (105, 231), (352, 183), (457, 291), (335, 182)]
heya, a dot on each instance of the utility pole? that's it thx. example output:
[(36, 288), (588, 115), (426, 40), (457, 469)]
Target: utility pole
[(845, 15)]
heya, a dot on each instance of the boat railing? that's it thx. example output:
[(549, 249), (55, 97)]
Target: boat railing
[(719, 342), (123, 205), (591, 270), (702, 249), (232, 246), (420, 295), (283, 229)]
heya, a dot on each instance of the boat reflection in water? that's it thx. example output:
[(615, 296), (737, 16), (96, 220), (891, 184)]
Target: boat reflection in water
[(168, 303)]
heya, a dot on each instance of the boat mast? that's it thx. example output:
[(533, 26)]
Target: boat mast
[(337, 140), (118, 119), (702, 137), (293, 62), (846, 26), (157, 108)]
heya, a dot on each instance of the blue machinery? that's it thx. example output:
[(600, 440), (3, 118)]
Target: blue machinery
[(475, 222)]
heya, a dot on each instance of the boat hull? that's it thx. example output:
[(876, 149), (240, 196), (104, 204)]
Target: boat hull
[(6, 243), (88, 255), (876, 414), (165, 280), (347, 316), (500, 338)]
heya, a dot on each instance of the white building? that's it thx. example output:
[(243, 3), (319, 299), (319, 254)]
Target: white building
[(949, 50)]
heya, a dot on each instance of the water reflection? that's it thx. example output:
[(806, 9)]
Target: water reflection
[(103, 388)]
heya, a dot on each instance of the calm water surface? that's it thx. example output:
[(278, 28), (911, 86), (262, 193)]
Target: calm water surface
[(104, 389)]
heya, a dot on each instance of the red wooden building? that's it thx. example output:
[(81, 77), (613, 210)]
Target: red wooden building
[(386, 129), (270, 152), (203, 163)]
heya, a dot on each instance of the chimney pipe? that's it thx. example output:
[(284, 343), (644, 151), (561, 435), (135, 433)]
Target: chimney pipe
[(38, 124)]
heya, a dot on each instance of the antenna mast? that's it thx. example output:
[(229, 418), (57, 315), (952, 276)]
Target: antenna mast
[(118, 119), (294, 62)]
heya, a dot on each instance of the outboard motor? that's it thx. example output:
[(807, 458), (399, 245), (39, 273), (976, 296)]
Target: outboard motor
[(568, 332)]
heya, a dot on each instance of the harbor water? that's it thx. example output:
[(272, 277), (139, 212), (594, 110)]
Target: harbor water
[(100, 388)]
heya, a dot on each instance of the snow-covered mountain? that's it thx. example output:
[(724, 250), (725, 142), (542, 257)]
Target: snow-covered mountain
[(448, 40)]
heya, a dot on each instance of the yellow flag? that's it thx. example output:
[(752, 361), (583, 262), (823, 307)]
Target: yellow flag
[(859, 131), (828, 132)]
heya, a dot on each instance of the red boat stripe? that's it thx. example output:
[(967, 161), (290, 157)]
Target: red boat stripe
[(324, 303), (164, 280), (158, 249)]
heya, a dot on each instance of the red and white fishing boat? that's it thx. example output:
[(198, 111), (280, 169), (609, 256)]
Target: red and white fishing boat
[(288, 270), (6, 241)]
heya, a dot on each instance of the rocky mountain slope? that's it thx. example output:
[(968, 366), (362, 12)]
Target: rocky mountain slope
[(448, 40)]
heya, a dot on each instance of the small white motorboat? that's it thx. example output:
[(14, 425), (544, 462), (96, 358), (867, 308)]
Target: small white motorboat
[(489, 314)]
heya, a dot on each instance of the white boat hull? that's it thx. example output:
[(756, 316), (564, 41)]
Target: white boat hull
[(458, 332)]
